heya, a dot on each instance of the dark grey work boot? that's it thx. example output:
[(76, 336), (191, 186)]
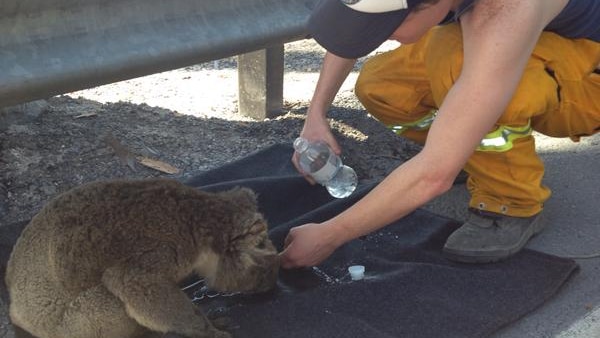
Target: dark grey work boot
[(489, 237)]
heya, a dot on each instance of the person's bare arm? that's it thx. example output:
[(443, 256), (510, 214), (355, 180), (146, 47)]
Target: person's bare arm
[(499, 37), (334, 71)]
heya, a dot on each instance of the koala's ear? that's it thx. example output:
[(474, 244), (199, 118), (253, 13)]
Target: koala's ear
[(242, 197)]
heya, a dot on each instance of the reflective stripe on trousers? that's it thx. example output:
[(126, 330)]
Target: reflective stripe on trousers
[(500, 139)]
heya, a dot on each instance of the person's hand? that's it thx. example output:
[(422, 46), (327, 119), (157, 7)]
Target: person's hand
[(316, 128), (308, 245)]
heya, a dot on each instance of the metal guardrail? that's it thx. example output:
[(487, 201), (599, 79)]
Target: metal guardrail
[(51, 47)]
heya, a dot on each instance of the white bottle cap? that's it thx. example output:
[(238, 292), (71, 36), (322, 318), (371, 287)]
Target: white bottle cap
[(357, 272)]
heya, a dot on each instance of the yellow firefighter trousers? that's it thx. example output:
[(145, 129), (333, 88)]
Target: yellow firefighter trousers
[(559, 95)]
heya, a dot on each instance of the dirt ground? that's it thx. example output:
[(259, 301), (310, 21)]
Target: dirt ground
[(50, 146), (73, 141)]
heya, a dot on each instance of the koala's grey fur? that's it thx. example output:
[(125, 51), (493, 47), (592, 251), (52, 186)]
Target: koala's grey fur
[(104, 259)]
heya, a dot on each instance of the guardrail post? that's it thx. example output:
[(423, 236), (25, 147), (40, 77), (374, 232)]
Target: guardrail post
[(260, 83)]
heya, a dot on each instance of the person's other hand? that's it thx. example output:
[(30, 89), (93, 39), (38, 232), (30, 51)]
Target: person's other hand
[(316, 128), (307, 245)]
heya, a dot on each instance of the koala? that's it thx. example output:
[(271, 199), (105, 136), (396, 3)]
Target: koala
[(104, 259)]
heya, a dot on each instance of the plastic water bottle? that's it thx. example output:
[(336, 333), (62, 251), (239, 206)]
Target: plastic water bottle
[(319, 161)]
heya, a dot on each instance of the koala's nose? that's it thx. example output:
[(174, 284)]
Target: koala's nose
[(276, 259), (274, 268), (270, 272)]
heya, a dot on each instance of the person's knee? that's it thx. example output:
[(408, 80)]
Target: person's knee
[(366, 84), (536, 94), (391, 96), (444, 59)]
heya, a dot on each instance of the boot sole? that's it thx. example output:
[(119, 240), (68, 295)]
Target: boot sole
[(497, 255)]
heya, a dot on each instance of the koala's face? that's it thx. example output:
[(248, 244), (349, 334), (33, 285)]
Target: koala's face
[(250, 261)]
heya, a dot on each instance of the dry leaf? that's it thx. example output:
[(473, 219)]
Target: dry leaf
[(158, 165), (85, 115)]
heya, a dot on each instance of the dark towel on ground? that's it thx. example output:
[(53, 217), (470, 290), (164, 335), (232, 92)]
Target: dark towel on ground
[(409, 289)]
